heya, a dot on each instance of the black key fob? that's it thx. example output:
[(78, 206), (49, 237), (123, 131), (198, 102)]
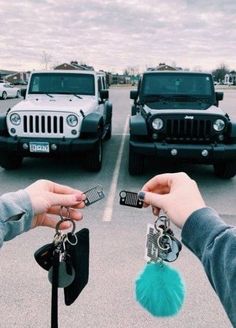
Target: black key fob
[(79, 254), (44, 256)]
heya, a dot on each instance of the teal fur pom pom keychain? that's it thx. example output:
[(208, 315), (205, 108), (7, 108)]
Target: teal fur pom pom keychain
[(159, 288)]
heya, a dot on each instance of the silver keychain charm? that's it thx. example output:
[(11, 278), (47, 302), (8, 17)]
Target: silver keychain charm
[(161, 244)]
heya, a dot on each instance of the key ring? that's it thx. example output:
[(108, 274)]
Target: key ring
[(64, 219), (162, 232), (164, 220), (168, 241), (68, 213)]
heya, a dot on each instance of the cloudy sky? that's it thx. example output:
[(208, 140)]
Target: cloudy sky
[(116, 34)]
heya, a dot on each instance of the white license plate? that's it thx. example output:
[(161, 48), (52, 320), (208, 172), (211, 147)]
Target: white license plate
[(39, 147)]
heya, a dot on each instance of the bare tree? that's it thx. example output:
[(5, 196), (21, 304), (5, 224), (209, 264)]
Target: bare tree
[(219, 72), (46, 59), (131, 71)]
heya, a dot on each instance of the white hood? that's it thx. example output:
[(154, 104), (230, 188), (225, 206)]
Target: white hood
[(63, 103)]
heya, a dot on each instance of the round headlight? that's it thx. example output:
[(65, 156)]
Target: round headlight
[(15, 119), (157, 124), (72, 120), (219, 125)]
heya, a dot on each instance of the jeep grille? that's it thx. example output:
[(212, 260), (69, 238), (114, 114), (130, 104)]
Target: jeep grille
[(182, 128), (178, 128), (43, 124)]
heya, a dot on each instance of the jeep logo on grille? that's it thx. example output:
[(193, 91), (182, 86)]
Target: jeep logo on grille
[(187, 117)]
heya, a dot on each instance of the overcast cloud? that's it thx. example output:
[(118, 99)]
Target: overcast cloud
[(115, 34)]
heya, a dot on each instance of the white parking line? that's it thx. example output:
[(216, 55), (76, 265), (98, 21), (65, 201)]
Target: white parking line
[(107, 214)]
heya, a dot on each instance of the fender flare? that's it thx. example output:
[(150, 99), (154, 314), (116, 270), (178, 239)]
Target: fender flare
[(92, 124), (108, 111), (233, 129), (3, 124), (138, 125)]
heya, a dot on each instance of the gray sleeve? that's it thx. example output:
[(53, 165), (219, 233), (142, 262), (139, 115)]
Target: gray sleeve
[(16, 214), (214, 243)]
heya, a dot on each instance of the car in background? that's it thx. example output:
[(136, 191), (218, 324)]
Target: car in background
[(65, 113), (176, 117), (7, 91), (19, 82)]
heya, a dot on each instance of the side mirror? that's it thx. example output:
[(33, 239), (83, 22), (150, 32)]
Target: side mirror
[(219, 96), (134, 94), (23, 92), (104, 94)]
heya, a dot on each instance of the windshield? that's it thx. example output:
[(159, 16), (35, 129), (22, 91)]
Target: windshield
[(62, 83), (177, 84)]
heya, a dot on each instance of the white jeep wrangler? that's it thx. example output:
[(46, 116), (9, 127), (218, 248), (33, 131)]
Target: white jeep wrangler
[(64, 112)]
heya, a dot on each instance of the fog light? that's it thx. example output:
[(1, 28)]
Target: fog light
[(174, 152), (154, 136), (53, 146), (221, 137), (13, 130), (25, 146), (73, 132), (205, 153)]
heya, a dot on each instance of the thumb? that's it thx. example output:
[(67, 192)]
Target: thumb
[(65, 200), (153, 199)]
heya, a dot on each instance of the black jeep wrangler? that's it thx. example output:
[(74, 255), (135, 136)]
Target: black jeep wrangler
[(175, 117)]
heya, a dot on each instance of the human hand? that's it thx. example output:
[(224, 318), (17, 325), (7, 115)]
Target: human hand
[(47, 198), (175, 193)]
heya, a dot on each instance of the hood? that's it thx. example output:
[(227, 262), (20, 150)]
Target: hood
[(211, 110), (64, 103)]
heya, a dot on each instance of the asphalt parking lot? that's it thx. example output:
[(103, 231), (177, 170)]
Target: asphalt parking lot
[(117, 237)]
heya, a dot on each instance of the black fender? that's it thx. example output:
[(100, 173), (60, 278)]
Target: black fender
[(134, 109), (233, 129), (138, 125), (108, 112), (3, 124), (92, 124)]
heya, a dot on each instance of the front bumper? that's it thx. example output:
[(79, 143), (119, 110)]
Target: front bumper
[(68, 146), (190, 152)]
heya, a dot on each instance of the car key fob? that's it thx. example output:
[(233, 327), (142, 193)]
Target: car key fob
[(44, 256)]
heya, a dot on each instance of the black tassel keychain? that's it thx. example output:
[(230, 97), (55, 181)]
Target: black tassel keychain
[(67, 258)]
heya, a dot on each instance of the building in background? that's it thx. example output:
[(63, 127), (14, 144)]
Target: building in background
[(18, 78), (74, 65)]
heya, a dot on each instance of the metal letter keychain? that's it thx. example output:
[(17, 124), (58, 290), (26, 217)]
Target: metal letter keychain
[(67, 258), (159, 288)]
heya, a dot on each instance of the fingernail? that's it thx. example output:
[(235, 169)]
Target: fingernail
[(141, 195), (79, 197)]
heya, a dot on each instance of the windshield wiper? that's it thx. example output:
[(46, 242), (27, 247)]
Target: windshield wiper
[(49, 95), (200, 98), (78, 96), (154, 98)]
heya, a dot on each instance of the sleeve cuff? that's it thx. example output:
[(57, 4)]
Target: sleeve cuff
[(201, 228)]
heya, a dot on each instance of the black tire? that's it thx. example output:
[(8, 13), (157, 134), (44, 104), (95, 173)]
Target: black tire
[(133, 110), (4, 95), (225, 170), (93, 160), (136, 163), (108, 133), (108, 121), (11, 161)]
